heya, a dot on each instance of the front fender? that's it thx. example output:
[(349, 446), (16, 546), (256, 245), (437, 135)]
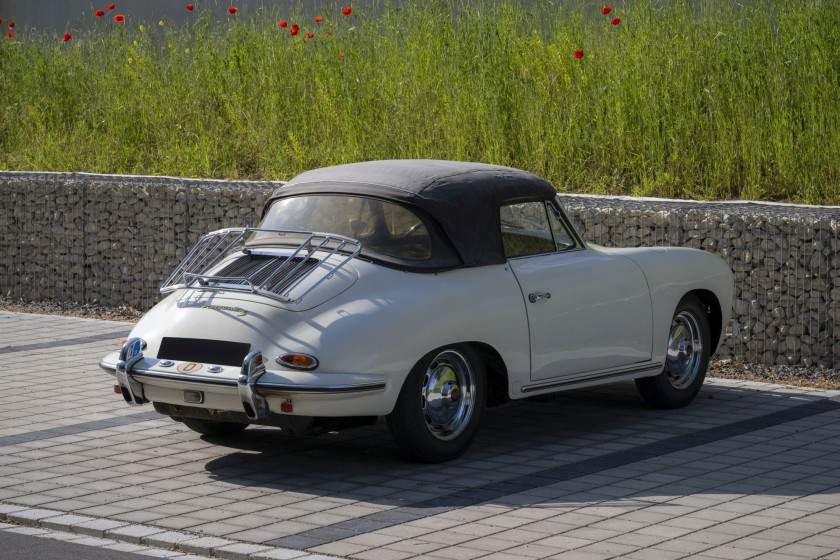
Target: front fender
[(671, 273)]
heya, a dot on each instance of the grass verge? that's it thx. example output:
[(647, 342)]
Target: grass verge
[(708, 100)]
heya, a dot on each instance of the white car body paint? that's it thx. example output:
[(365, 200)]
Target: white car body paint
[(377, 327)]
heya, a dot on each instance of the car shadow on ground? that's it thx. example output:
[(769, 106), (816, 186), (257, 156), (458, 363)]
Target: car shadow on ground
[(583, 439)]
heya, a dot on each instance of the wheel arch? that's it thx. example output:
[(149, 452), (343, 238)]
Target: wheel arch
[(496, 371), (712, 306)]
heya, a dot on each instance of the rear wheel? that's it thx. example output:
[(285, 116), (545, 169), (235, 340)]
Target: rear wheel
[(440, 404), (686, 360), (212, 428)]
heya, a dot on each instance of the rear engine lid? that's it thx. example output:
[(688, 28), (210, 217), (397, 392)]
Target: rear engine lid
[(287, 267)]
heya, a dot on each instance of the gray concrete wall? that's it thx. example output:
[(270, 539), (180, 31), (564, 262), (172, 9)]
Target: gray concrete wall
[(112, 240)]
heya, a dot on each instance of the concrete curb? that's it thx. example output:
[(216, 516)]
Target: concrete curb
[(97, 529)]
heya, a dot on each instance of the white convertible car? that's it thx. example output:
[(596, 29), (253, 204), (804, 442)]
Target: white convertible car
[(421, 291)]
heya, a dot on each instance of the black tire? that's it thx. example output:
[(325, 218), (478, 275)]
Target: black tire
[(440, 405), (685, 364), (213, 428)]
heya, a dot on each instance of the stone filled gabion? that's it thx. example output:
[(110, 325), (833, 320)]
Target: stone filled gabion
[(109, 240), (112, 240)]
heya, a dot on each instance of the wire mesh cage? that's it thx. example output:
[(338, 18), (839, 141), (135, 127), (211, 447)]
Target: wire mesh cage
[(113, 240)]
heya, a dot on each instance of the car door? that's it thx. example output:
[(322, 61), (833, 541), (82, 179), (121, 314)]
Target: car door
[(588, 310)]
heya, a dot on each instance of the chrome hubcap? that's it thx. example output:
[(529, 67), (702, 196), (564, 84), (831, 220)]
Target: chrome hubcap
[(447, 393), (685, 350)]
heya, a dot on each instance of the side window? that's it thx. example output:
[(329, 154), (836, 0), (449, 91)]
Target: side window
[(562, 237), (525, 229)]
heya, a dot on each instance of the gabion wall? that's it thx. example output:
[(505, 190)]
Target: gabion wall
[(112, 240), (108, 239)]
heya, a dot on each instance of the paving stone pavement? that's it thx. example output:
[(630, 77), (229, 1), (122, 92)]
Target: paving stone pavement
[(747, 471)]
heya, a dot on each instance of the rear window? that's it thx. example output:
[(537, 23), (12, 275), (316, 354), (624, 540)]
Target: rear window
[(382, 227)]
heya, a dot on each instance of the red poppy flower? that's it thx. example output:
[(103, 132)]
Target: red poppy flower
[(341, 55), (347, 11), (1, 20), (283, 23), (110, 6), (605, 10), (295, 26), (319, 19), (66, 37), (309, 35), (99, 13), (616, 21), (12, 25), (119, 18), (579, 54), (293, 31), (232, 10), (9, 35), (190, 7), (330, 33)]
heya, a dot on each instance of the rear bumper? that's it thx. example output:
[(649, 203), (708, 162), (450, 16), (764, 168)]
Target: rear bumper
[(266, 387), (304, 393)]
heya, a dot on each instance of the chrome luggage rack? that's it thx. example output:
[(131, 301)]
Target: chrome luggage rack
[(273, 276)]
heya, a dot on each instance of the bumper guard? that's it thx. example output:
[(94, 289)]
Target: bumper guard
[(252, 369), (131, 353)]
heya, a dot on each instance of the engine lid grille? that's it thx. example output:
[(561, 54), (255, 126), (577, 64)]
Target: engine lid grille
[(286, 278), (272, 273)]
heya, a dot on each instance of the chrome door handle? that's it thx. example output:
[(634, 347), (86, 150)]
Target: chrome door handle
[(537, 296)]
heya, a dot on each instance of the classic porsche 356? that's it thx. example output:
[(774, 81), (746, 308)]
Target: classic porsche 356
[(421, 291)]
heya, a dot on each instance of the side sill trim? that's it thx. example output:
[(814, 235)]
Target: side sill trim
[(565, 383), (266, 387)]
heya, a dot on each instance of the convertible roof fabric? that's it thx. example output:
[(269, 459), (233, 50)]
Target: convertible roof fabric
[(463, 198)]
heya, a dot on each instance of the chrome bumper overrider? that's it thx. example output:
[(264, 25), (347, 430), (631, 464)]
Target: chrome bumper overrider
[(131, 353), (250, 387), (252, 369)]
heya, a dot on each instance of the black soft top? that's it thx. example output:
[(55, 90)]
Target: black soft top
[(462, 198)]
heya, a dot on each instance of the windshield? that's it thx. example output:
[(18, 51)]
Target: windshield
[(382, 227)]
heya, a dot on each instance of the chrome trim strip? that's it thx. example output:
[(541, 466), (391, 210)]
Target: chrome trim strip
[(619, 373), (321, 389), (266, 387), (166, 376)]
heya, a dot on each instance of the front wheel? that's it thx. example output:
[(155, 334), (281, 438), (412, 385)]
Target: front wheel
[(440, 404), (686, 360)]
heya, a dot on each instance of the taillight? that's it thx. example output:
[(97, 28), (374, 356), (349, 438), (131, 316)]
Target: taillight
[(297, 361)]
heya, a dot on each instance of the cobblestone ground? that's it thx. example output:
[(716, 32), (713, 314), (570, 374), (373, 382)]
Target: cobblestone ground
[(749, 470)]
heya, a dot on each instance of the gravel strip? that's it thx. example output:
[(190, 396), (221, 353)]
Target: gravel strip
[(817, 377), (799, 376), (71, 309)]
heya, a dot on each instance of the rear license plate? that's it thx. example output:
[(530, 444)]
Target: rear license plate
[(193, 397)]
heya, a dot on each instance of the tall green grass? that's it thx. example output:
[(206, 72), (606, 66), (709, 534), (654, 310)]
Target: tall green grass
[(708, 99)]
